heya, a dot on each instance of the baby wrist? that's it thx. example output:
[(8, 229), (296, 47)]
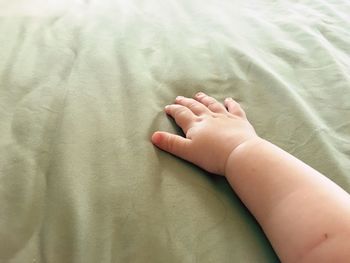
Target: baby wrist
[(242, 151)]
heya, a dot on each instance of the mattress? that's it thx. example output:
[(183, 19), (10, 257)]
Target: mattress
[(83, 85)]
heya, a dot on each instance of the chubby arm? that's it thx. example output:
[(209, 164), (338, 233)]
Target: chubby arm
[(305, 215)]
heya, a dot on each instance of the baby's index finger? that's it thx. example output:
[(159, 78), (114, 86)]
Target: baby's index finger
[(183, 116)]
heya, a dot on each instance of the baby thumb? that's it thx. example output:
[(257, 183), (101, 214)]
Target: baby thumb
[(171, 143)]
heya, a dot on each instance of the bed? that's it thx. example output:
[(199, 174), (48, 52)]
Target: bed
[(83, 85)]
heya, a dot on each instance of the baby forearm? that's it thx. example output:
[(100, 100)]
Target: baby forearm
[(305, 216), (295, 205)]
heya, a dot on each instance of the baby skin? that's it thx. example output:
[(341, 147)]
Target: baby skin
[(305, 215)]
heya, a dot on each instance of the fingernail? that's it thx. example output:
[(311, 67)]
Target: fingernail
[(200, 94), (156, 138), (167, 107), (228, 99), (179, 97)]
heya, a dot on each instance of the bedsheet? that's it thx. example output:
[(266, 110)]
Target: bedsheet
[(82, 88)]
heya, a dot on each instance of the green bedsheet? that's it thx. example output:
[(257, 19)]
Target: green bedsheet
[(82, 88)]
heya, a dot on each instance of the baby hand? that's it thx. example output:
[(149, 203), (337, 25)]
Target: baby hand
[(213, 131)]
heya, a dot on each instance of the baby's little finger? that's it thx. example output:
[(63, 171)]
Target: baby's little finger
[(234, 108)]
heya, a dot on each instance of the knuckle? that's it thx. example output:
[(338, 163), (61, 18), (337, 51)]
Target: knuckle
[(239, 112), (191, 101), (205, 100), (170, 144), (239, 108), (189, 133), (193, 105), (210, 100), (210, 103), (242, 114), (201, 95), (234, 105), (199, 119), (216, 115), (180, 112), (214, 106)]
